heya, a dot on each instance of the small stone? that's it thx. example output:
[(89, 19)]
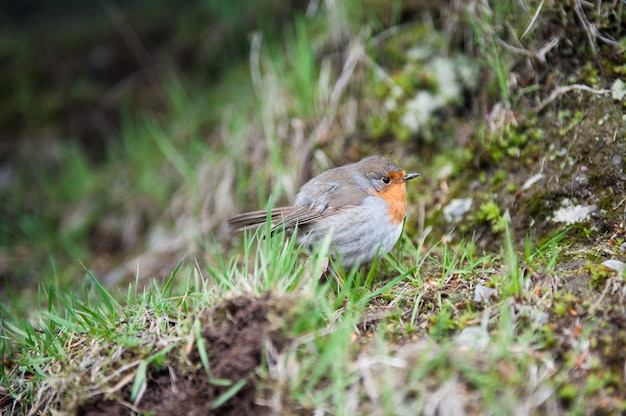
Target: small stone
[(455, 210), (483, 293), (472, 338), (616, 265), (542, 318), (532, 180), (618, 90)]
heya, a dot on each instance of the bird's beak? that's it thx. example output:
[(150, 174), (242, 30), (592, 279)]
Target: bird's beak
[(410, 176)]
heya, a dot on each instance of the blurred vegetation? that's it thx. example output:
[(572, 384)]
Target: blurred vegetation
[(85, 165)]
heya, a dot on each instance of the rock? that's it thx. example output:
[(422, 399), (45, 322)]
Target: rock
[(472, 338), (483, 293), (455, 210), (616, 265), (532, 180)]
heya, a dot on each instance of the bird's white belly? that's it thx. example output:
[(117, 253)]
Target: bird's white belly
[(358, 235)]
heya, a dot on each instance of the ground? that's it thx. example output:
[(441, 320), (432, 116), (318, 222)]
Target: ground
[(509, 307), (236, 334)]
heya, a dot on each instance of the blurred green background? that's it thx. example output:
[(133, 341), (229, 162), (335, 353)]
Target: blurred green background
[(82, 176)]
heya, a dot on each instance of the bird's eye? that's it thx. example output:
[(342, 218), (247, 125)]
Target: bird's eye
[(385, 179)]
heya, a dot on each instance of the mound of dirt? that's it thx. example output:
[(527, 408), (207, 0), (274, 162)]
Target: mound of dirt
[(235, 334)]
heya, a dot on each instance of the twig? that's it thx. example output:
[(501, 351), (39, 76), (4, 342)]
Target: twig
[(539, 55), (591, 30), (355, 54), (532, 22), (557, 92), (255, 63), (543, 51)]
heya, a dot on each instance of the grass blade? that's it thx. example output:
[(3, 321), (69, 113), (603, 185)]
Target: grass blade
[(228, 394)]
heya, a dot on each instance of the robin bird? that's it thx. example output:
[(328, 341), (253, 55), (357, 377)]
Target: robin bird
[(362, 204)]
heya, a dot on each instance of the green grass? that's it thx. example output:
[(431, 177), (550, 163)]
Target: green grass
[(492, 25), (83, 344)]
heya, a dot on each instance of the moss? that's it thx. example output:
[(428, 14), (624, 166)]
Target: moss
[(419, 87), (599, 274), (568, 392), (560, 308), (489, 213), (549, 338), (377, 125), (510, 142), (569, 122), (498, 177), (590, 74)]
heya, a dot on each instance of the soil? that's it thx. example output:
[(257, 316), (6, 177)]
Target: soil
[(235, 334)]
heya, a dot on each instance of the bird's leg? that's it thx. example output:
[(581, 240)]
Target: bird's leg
[(326, 271)]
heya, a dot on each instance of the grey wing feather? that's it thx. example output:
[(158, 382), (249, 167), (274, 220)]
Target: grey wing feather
[(255, 219), (303, 216), (315, 200), (326, 191), (316, 197)]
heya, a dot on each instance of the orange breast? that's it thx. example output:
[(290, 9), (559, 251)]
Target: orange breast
[(395, 196)]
